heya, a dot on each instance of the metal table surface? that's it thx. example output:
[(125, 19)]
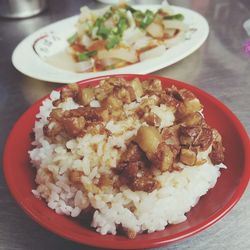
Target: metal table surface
[(218, 67)]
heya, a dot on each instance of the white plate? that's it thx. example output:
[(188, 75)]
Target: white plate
[(27, 61)]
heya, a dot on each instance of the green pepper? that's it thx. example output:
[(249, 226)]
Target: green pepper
[(103, 31), (131, 9), (86, 55), (99, 21), (122, 25), (116, 33), (72, 39), (113, 36), (112, 41), (148, 19), (178, 17)]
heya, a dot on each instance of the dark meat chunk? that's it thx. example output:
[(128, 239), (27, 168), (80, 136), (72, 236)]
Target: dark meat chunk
[(140, 113), (74, 126), (120, 168), (152, 119), (74, 122), (136, 176), (173, 91), (56, 102), (132, 169), (52, 129), (56, 114), (217, 154), (93, 114), (90, 114), (146, 184), (152, 86), (190, 131), (142, 110), (118, 88), (196, 136), (180, 94), (204, 140), (189, 134), (133, 153), (74, 112), (169, 100), (188, 103), (171, 135)]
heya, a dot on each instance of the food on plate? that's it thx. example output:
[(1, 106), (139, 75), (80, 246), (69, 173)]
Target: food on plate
[(129, 154), (121, 35)]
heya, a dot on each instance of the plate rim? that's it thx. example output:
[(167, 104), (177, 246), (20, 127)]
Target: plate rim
[(131, 244)]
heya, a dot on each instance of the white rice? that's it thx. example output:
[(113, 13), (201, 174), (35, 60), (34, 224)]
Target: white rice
[(179, 191)]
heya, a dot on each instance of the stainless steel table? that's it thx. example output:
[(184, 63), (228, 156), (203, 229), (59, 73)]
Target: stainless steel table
[(218, 67)]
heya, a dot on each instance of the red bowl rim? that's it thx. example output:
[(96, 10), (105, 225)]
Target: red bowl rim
[(145, 243)]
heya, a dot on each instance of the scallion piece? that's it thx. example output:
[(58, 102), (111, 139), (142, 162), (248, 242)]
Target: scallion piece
[(112, 41), (98, 22), (148, 19), (122, 25), (178, 17), (103, 31), (86, 55), (131, 9)]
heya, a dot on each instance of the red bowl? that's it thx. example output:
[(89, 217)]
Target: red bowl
[(214, 205)]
